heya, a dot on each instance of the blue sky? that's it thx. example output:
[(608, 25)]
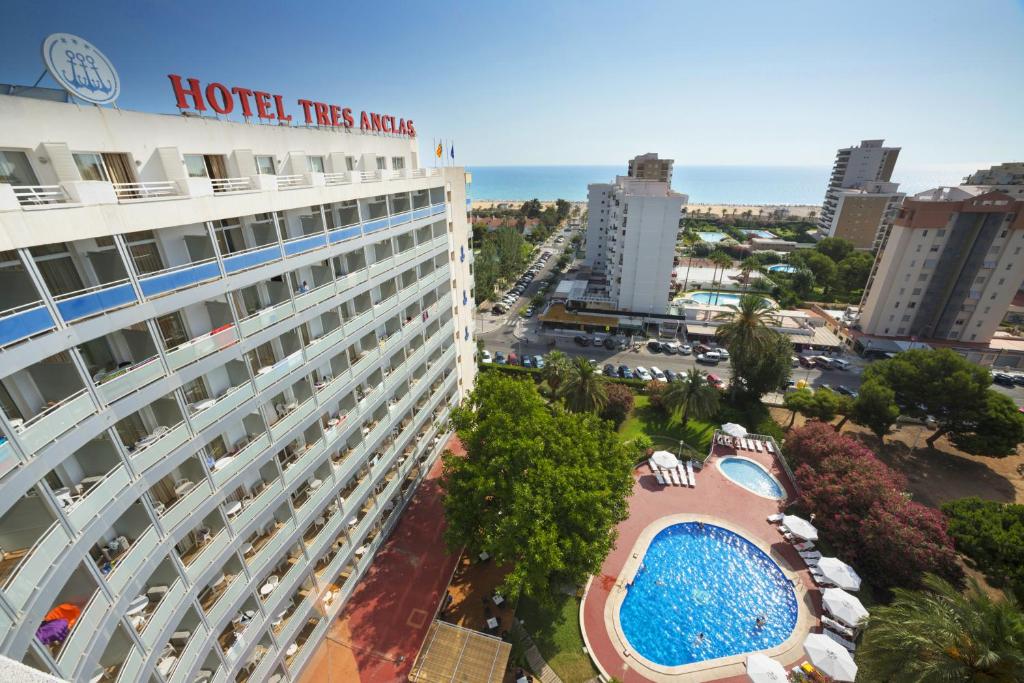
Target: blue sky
[(740, 82)]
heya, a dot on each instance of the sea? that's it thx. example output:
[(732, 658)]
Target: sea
[(704, 184)]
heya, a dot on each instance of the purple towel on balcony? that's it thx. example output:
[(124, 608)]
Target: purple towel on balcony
[(53, 631)]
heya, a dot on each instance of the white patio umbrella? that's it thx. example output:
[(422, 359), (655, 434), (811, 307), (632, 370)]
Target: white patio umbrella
[(764, 669), (843, 606), (800, 527), (733, 429), (830, 657), (665, 460), (839, 573)]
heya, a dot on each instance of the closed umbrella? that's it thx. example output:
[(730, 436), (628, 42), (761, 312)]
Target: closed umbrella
[(830, 658), (665, 460), (800, 527), (733, 429), (843, 606), (839, 573), (764, 669)]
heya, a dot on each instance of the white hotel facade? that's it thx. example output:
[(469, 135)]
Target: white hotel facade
[(226, 355)]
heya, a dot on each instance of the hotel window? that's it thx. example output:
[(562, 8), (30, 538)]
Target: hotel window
[(316, 164), (112, 168), (90, 166), (265, 165), (350, 164), (15, 169), (145, 255), (382, 163), (195, 166), (398, 163)]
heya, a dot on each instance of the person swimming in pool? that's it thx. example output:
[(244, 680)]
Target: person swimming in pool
[(700, 639), (761, 621)]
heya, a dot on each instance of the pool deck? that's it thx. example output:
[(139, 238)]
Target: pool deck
[(715, 500)]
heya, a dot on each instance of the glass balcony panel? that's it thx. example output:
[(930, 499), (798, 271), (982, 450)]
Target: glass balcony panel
[(208, 555), (266, 376), (84, 630), (35, 566), (260, 503), (374, 226), (358, 322), (265, 318), (155, 451), (417, 214), (164, 612), (437, 209), (320, 345), (382, 266), (400, 218), (224, 405), (194, 649), (251, 258), (45, 427), (342, 234), (203, 346), (24, 321), (126, 380), (315, 296), (273, 548), (299, 467), (241, 459), (282, 426), (105, 492), (351, 280), (90, 302), (299, 245), (138, 554), (132, 668), (182, 277), (182, 509)]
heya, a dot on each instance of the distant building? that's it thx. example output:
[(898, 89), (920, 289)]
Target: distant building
[(860, 201), (950, 267), (650, 167), (632, 228), (772, 244), (1008, 178)]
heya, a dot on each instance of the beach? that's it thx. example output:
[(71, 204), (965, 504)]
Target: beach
[(693, 210)]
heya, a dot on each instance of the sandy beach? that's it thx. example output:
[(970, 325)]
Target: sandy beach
[(795, 210)]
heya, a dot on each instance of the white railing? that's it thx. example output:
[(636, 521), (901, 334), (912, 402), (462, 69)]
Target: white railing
[(35, 195), (147, 190), (337, 178), (285, 182), (418, 173), (369, 176), (230, 184)]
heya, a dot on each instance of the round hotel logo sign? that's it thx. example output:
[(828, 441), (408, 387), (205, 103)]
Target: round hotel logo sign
[(81, 68)]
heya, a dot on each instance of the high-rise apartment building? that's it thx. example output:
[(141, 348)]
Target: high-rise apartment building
[(1008, 178), (860, 200), (632, 228), (650, 167), (227, 352), (950, 267)]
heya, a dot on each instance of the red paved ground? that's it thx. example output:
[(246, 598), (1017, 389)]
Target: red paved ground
[(714, 495), (379, 633)]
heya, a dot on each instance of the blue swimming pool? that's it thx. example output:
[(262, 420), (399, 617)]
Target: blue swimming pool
[(705, 579), (711, 236), (721, 298), (760, 233), (782, 268), (752, 477)]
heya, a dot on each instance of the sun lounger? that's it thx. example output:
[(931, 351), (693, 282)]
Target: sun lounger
[(820, 580), (768, 447), (689, 472), (841, 629), (661, 478), (811, 555), (776, 518), (680, 477), (848, 644), (757, 445), (806, 546), (674, 477), (653, 465), (783, 529), (811, 562)]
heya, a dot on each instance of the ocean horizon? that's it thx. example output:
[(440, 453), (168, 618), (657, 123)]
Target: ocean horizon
[(791, 185)]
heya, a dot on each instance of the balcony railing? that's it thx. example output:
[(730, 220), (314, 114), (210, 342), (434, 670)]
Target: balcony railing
[(147, 190), (95, 300), (124, 381), (287, 182), (200, 347), (337, 178), (178, 277), (40, 195), (24, 321), (224, 185), (250, 258), (44, 427)]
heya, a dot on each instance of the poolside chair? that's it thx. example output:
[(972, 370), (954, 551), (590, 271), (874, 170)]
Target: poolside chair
[(776, 518), (675, 477), (683, 479), (811, 562), (768, 447), (661, 478), (783, 529), (848, 644), (811, 555), (841, 629), (819, 580), (806, 546), (757, 445)]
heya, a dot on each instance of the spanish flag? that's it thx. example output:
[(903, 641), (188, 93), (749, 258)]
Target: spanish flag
[(439, 151)]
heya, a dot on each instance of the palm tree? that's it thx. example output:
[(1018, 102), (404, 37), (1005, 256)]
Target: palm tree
[(556, 369), (720, 260), (694, 397), (583, 390), (747, 266), (747, 325), (941, 634)]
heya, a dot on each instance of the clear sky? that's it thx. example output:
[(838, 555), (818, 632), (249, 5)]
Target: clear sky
[(591, 82)]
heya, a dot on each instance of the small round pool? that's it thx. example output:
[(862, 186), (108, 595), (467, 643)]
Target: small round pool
[(782, 268), (752, 476), (719, 298), (702, 579)]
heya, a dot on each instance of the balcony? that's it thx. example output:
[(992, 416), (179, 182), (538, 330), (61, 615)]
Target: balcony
[(24, 321), (146, 191)]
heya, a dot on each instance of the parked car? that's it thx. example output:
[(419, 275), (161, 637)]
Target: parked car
[(609, 370), (485, 356), (609, 343), (806, 362), (846, 391), (625, 372), (658, 375), (581, 340), (709, 358), (1003, 379), (928, 420), (653, 345), (671, 348), (840, 364), (513, 359), (715, 381), (499, 358), (723, 353), (701, 348), (529, 311), (685, 350), (527, 362), (538, 362), (795, 361), (642, 373)]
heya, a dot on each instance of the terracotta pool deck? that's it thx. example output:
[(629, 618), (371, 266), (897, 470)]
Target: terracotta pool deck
[(379, 632), (715, 497)]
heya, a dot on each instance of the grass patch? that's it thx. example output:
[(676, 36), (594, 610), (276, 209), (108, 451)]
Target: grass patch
[(556, 633), (665, 432)]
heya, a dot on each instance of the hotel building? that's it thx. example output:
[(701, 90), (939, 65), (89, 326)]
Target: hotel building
[(227, 353), (950, 267), (861, 202), (632, 228)]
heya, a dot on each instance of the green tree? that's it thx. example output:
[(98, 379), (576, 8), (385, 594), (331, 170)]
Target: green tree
[(720, 260), (941, 634), (821, 404), (511, 253), (823, 268), (692, 397), (944, 384), (799, 401), (761, 369), (836, 248), (746, 327), (530, 209), (997, 429), (583, 390), (802, 282), (853, 271), (991, 534), (540, 490), (747, 266), (485, 270), (619, 404), (562, 209), (875, 408), (556, 369)]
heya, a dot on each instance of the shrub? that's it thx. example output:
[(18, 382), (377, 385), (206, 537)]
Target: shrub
[(816, 441), (620, 403), (991, 534), (656, 394), (902, 541)]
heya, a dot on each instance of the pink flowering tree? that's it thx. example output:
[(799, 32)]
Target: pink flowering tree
[(901, 542)]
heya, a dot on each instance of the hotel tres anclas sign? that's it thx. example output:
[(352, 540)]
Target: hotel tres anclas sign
[(191, 94)]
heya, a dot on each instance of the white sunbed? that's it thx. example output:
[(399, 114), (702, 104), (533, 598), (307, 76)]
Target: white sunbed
[(776, 518), (757, 445), (820, 580), (673, 477), (661, 478), (682, 476), (806, 546), (768, 447), (810, 555), (783, 529), (689, 472), (653, 465), (848, 644), (812, 562), (841, 629)]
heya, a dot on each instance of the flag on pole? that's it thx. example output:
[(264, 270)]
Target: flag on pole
[(453, 151), (439, 151)]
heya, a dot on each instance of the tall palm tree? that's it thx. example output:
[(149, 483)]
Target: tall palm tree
[(747, 266), (693, 397), (721, 260), (941, 634), (746, 328), (556, 369), (583, 390)]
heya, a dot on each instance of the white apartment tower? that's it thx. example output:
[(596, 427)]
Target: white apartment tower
[(632, 228), (861, 201), (227, 352)]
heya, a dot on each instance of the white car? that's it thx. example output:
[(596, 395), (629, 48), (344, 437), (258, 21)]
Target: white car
[(485, 356), (685, 350), (722, 353), (642, 373), (659, 376)]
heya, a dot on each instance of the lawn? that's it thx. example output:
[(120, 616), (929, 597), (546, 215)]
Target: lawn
[(556, 633), (665, 432)]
